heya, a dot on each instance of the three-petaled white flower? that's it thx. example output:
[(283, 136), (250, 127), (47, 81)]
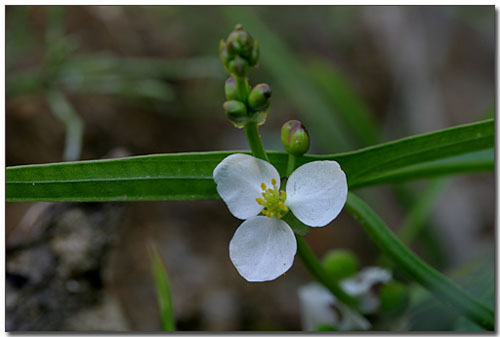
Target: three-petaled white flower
[(263, 247)]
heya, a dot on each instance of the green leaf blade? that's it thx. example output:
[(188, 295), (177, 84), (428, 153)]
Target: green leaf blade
[(188, 176), (153, 177), (368, 164), (163, 291)]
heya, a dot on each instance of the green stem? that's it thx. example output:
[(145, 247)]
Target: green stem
[(254, 140), (291, 164), (242, 88), (434, 281), (63, 110), (315, 267), (251, 128)]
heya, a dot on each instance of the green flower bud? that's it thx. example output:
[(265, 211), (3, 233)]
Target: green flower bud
[(394, 297), (224, 54), (254, 57), (260, 97), (340, 264), (236, 112), (240, 42), (295, 138), (238, 66), (230, 89), (239, 52)]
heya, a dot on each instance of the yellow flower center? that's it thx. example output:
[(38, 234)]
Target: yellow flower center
[(273, 201)]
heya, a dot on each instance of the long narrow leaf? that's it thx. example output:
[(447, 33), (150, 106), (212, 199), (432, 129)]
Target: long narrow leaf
[(163, 291), (470, 162), (188, 176), (372, 162), (434, 281)]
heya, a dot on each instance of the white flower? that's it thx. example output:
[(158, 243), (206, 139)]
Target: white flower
[(263, 247), (363, 284), (319, 307)]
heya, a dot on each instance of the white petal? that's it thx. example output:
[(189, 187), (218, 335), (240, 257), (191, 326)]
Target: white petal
[(238, 178), (365, 279), (316, 192), (361, 287), (320, 307), (262, 248), (316, 304)]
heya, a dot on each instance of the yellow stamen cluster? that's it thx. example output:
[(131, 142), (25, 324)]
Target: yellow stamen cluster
[(273, 201)]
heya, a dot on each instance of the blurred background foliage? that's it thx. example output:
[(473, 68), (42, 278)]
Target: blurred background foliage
[(98, 81)]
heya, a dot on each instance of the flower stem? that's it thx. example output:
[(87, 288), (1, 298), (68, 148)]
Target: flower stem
[(254, 140), (315, 267), (291, 164), (251, 128), (242, 88), (434, 281)]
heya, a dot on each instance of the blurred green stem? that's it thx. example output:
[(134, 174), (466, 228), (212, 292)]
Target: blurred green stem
[(419, 212), (434, 281), (314, 266), (64, 111)]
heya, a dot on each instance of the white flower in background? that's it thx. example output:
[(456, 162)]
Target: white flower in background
[(263, 247), (364, 285), (318, 307)]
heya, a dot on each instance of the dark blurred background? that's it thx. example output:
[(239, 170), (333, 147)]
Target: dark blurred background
[(99, 82)]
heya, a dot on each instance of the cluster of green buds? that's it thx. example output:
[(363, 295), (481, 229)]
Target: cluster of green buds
[(239, 52), (244, 104)]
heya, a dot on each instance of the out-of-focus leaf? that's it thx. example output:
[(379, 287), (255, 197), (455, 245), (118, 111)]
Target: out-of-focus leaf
[(420, 210), (65, 112), (109, 75), (146, 67), (427, 313), (114, 85), (346, 101), (163, 292)]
